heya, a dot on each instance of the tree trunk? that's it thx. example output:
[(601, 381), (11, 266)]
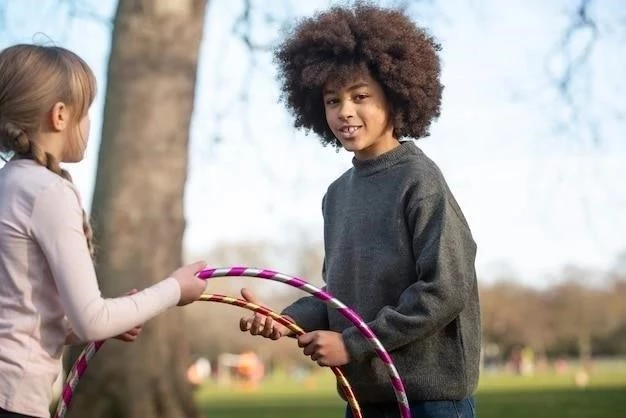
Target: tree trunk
[(137, 211)]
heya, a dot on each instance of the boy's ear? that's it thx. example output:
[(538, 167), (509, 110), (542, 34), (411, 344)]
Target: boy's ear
[(59, 117)]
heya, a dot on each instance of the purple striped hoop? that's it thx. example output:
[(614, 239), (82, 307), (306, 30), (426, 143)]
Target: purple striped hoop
[(341, 379), (348, 313), (77, 370), (80, 366)]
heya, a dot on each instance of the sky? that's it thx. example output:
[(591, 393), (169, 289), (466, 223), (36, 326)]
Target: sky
[(538, 191)]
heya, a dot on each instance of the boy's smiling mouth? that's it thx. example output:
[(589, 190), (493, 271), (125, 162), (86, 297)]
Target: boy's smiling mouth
[(349, 131)]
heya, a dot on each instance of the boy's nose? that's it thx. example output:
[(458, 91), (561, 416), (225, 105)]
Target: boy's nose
[(345, 111)]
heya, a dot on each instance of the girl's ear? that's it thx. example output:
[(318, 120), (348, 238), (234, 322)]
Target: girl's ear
[(59, 117)]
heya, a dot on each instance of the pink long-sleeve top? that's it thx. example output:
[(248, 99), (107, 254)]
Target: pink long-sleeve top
[(48, 286)]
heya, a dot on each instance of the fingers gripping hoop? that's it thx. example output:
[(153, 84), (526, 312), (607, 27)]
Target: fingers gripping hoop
[(346, 312), (341, 379), (81, 363)]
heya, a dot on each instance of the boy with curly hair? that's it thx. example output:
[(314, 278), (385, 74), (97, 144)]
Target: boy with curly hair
[(398, 249)]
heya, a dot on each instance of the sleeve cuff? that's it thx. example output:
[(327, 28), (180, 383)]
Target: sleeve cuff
[(306, 322), (357, 346)]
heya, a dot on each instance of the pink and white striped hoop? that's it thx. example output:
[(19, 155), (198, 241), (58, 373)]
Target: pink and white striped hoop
[(341, 379), (80, 366), (81, 363), (74, 375), (349, 314)]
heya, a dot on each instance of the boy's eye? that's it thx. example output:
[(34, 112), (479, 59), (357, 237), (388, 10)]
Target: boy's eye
[(331, 101), (361, 96)]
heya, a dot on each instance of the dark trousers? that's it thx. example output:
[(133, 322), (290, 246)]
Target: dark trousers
[(427, 409), (9, 414)]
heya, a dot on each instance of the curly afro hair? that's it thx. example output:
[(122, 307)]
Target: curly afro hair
[(339, 44)]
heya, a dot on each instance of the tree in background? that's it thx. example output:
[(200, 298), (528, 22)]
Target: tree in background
[(577, 311), (137, 209), (514, 315)]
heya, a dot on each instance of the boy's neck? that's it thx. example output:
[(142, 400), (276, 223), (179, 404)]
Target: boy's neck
[(384, 161), (377, 149)]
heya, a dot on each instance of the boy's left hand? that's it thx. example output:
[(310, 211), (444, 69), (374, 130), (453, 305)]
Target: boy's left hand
[(325, 347)]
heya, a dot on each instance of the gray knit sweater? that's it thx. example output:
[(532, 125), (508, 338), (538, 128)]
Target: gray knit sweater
[(399, 252)]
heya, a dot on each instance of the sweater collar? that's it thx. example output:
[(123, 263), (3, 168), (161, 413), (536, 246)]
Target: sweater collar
[(384, 161)]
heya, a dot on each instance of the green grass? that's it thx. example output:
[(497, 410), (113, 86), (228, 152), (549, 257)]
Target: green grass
[(499, 395), (549, 395)]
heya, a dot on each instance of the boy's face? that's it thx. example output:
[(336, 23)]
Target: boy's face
[(359, 116)]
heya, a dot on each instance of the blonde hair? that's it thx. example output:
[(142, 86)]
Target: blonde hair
[(32, 79)]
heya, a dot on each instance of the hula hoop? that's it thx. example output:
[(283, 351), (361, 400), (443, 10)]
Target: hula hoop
[(341, 379), (77, 370), (81, 363), (349, 314)]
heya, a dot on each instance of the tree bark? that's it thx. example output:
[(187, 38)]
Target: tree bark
[(137, 210)]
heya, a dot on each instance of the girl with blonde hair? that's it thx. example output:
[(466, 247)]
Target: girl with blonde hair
[(49, 294)]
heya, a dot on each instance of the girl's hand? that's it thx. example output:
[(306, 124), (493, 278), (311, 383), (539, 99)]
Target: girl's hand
[(260, 324), (130, 335), (191, 287)]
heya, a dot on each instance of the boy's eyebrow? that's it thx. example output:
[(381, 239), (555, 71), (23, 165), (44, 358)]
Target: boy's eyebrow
[(355, 86)]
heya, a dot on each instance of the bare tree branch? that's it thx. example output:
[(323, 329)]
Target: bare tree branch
[(244, 27), (84, 9), (80, 10), (570, 67), (257, 28), (573, 51), (582, 24), (64, 12)]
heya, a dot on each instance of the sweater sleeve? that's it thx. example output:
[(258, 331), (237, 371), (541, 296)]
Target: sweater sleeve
[(309, 313), (57, 226), (444, 253)]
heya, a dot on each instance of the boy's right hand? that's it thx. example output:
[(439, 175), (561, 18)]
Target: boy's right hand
[(260, 324), (191, 287)]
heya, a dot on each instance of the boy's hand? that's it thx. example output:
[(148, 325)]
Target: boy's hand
[(325, 347), (259, 324), (132, 334)]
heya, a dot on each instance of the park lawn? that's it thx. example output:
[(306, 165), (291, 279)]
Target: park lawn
[(549, 395), (499, 395)]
